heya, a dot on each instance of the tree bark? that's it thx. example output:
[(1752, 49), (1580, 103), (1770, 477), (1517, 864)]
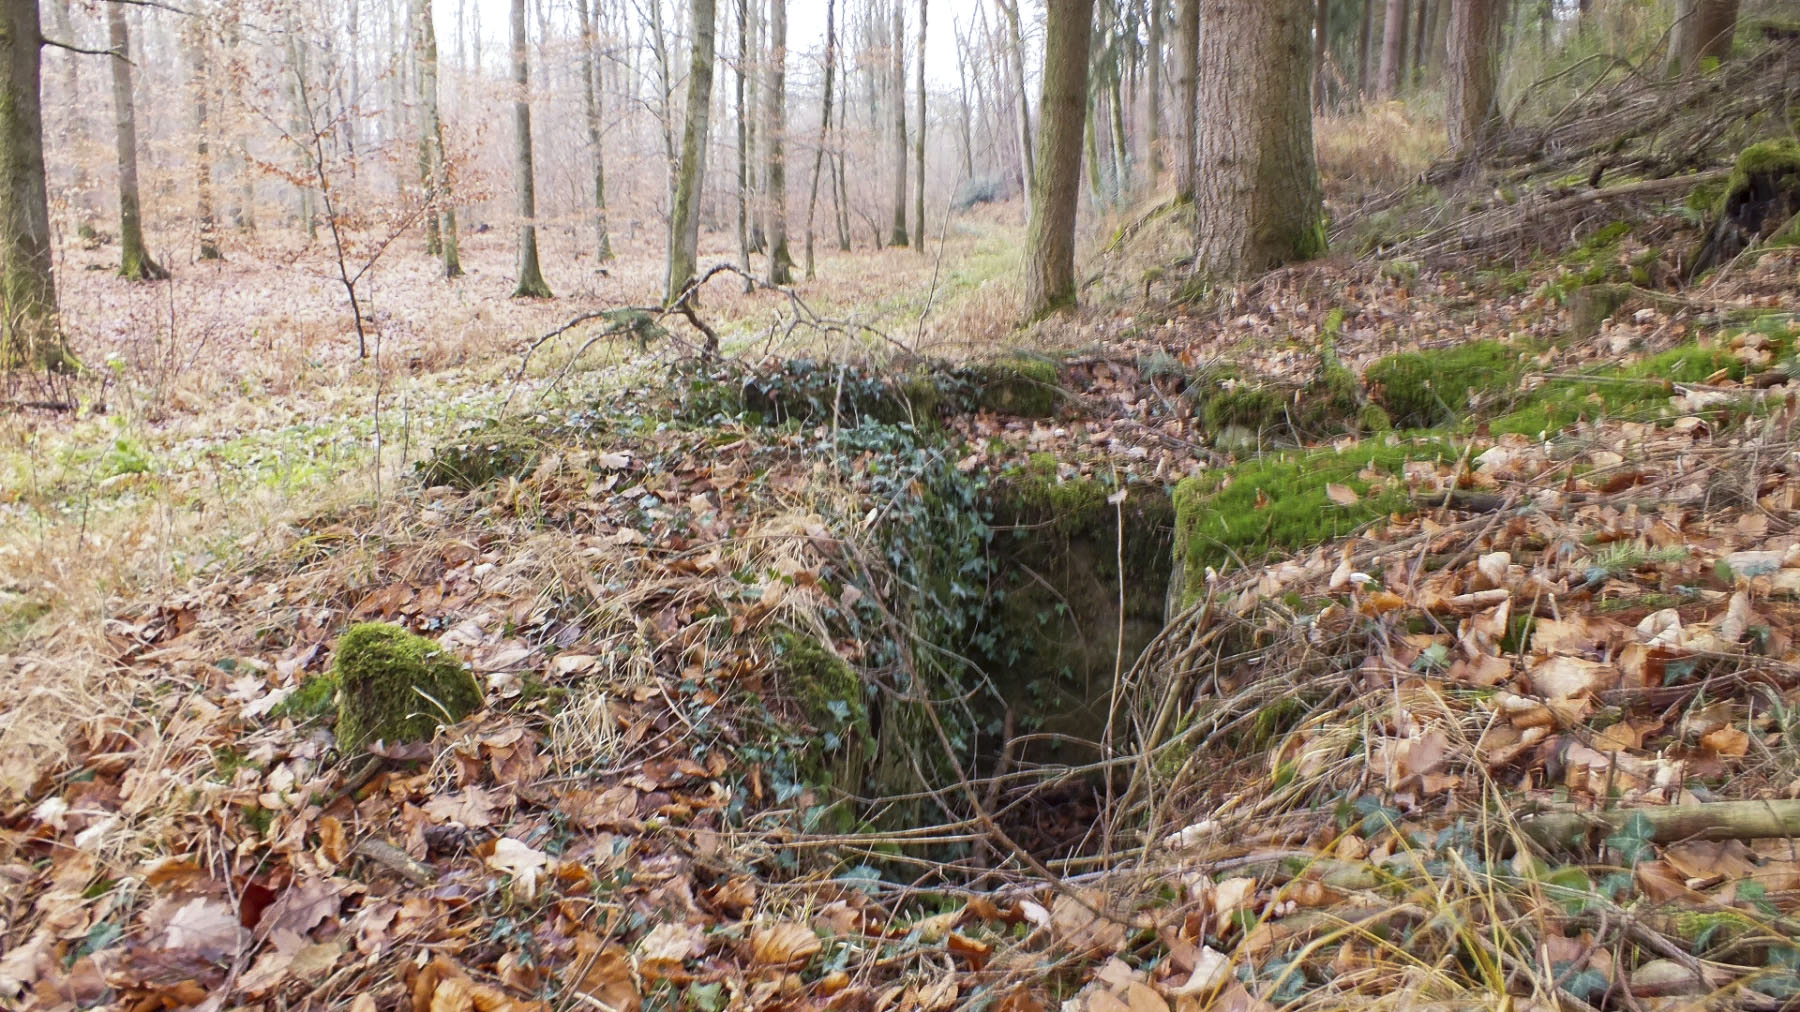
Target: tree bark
[(743, 142), (30, 336), (897, 236), (781, 264), (591, 93), (1187, 64), (1258, 196), (431, 143), (919, 144), (200, 83), (74, 119), (134, 259), (812, 199), (1050, 235), (962, 81), (1027, 171), (1321, 46), (1362, 47), (1472, 105), (1703, 31), (1153, 78), (684, 219), (1420, 10), (1393, 47), (300, 127), (531, 275)]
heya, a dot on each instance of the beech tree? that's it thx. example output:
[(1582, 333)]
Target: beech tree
[(781, 264), (200, 84), (432, 163), (898, 41), (1257, 195), (531, 276), (590, 85), (1472, 99), (30, 335), (134, 258), (919, 144), (1050, 233), (684, 217)]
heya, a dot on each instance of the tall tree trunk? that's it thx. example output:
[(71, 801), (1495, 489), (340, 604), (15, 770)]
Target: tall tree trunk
[(962, 92), (531, 276), (1362, 47), (1258, 202), (1703, 31), (897, 237), (30, 336), (684, 219), (134, 258), (431, 143), (1321, 47), (74, 119), (1472, 103), (1187, 35), (300, 127), (590, 39), (1050, 235), (1016, 53), (1420, 10), (1393, 47), (919, 144), (1153, 77), (743, 143), (781, 264), (812, 199), (200, 83)]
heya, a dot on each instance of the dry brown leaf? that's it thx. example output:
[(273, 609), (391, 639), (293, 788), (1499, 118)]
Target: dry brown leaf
[(784, 944), (1343, 495)]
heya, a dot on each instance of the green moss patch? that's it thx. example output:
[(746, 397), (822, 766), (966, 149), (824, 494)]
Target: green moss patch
[(1426, 389), (1637, 391), (1018, 385), (506, 447), (397, 687), (1280, 505)]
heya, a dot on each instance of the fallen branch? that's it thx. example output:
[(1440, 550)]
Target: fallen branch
[(1721, 820)]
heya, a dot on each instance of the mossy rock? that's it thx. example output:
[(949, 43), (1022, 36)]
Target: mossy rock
[(1018, 385), (397, 687), (1279, 505), (838, 742), (1333, 404), (1426, 389)]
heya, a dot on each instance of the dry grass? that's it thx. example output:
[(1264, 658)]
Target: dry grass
[(1378, 148)]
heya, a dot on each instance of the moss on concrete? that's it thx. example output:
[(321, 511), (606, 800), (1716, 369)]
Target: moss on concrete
[(1017, 385), (397, 687)]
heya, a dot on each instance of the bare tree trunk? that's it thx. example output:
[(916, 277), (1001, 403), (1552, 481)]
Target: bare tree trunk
[(1153, 59), (74, 119), (1027, 171), (781, 264), (30, 336), (1321, 46), (591, 93), (919, 144), (200, 83), (1420, 10), (1187, 69), (684, 219), (897, 237), (1362, 47), (1050, 235), (1393, 47), (134, 259), (962, 92), (1472, 107), (1703, 31), (300, 127), (812, 200), (1258, 202), (433, 164), (743, 142), (531, 276)]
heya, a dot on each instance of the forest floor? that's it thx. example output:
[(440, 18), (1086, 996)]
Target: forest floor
[(1479, 571)]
